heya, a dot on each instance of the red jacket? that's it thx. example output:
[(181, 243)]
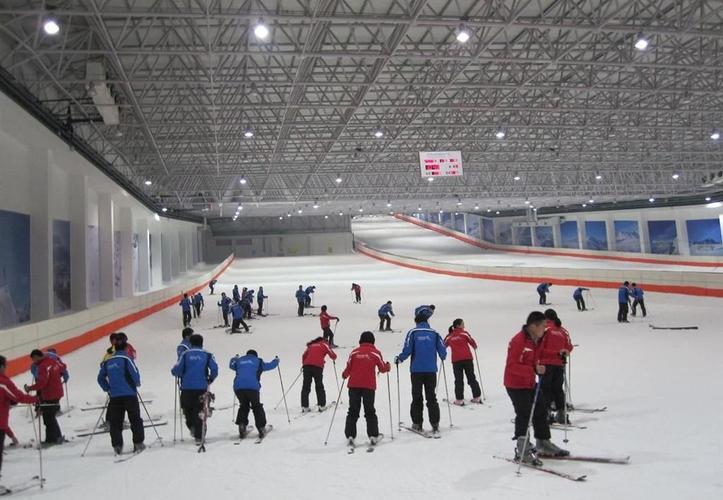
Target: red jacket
[(325, 318), (315, 353), (555, 340), (522, 356), (356, 288), (49, 383), (459, 341), (360, 367), (9, 395)]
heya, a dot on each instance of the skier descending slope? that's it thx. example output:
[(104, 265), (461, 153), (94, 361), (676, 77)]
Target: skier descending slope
[(361, 372), (247, 386), (555, 347), (197, 369), (312, 362), (423, 344), (519, 379), (459, 341)]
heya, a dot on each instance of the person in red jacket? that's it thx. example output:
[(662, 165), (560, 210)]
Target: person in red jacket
[(9, 395), (49, 386), (312, 367), (522, 365), (357, 293), (554, 350), (459, 341), (325, 319), (361, 372)]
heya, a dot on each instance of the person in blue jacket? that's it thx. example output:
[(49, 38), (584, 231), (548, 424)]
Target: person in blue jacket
[(301, 300), (53, 354), (119, 377), (623, 302), (638, 300), (186, 308), (236, 294), (247, 386), (197, 369), (225, 305), (309, 292), (197, 305), (185, 341), (385, 316), (423, 344), (260, 298), (248, 302), (238, 318), (579, 298), (543, 289)]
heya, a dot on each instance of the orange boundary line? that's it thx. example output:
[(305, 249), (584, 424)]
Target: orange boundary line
[(466, 239), (22, 364)]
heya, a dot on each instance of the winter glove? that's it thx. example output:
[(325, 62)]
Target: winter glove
[(26, 387), (397, 360), (389, 367)]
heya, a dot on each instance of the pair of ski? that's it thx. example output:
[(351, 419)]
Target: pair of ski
[(259, 438), (231, 332), (673, 327), (571, 408), (23, 486), (423, 433), (467, 406), (576, 458), (146, 424), (127, 456), (350, 448), (315, 412), (102, 407)]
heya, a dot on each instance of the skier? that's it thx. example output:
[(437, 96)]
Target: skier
[(385, 316), (9, 396), (519, 380), (357, 293), (247, 386), (238, 318), (260, 298), (49, 387), (53, 354), (301, 299), (554, 348), (579, 299), (248, 302), (197, 305), (423, 344), (235, 293), (119, 377), (543, 289), (361, 372), (309, 292), (197, 369), (623, 302), (325, 320), (114, 338), (638, 300), (185, 344), (312, 367), (186, 308), (225, 305), (459, 341), (211, 285)]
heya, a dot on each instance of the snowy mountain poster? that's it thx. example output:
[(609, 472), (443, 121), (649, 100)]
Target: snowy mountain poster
[(704, 237), (596, 237), (627, 236)]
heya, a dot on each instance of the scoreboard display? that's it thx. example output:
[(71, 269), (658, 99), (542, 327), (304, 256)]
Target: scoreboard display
[(440, 163)]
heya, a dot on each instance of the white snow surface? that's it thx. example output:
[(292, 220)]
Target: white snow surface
[(662, 389)]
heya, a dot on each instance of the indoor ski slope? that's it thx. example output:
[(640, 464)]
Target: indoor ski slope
[(662, 390)]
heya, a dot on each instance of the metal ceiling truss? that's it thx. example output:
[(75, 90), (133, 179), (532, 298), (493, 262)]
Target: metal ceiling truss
[(561, 78)]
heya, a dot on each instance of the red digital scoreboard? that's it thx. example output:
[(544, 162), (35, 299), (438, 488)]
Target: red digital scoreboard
[(440, 163)]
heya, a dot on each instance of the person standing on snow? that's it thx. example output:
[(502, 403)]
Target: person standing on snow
[(225, 305), (623, 302), (555, 347), (579, 299), (247, 387), (10, 395), (49, 387), (357, 293), (312, 368), (186, 308), (197, 305), (460, 341), (309, 292), (301, 300), (235, 293), (385, 314), (211, 285), (638, 300), (325, 320), (543, 289), (260, 298)]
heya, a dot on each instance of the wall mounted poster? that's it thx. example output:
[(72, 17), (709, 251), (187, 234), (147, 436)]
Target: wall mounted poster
[(568, 235), (663, 237), (524, 236), (544, 236), (61, 266), (488, 230), (92, 255), (704, 236), (134, 262), (505, 232), (458, 222), (596, 237), (14, 268), (117, 264), (445, 218), (473, 225), (627, 236)]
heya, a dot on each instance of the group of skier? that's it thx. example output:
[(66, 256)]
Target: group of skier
[(193, 304), (241, 307), (630, 296), (304, 298)]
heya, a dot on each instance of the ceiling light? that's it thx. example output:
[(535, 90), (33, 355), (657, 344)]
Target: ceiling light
[(316, 205), (584, 205), (299, 211), (378, 134), (51, 27), (497, 212), (500, 134), (326, 216), (463, 35), (338, 179), (459, 203), (261, 30), (489, 210), (651, 199), (157, 217), (517, 177), (248, 133), (288, 214), (281, 217), (389, 204), (641, 43), (240, 207), (598, 177), (164, 209), (715, 135), (476, 207), (148, 182), (533, 208), (591, 201), (341, 213), (527, 202), (361, 209), (676, 176), (430, 179), (419, 209), (707, 198), (243, 180)]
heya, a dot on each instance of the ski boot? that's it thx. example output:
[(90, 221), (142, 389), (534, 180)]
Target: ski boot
[(435, 431), (242, 432), (477, 400), (305, 409), (375, 439), (417, 427), (458, 402), (138, 447), (546, 448), (262, 433), (562, 418), (530, 456), (322, 408), (118, 450)]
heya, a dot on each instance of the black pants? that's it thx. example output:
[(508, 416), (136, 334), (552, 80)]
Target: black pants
[(300, 312), (622, 312), (49, 410), (358, 297), (522, 402), (315, 374), (249, 400), (186, 318), (225, 317), (261, 307), (197, 310), (543, 298), (356, 398), (238, 322), (307, 301), (423, 387), (192, 405), (328, 335), (580, 303), (211, 287), (553, 386), (117, 409), (385, 319), (641, 303), (247, 311), (462, 369)]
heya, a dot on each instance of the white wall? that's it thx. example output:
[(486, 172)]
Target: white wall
[(218, 248)]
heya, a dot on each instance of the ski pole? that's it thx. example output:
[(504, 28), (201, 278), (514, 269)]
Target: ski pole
[(399, 401), (564, 411), (175, 409), (446, 391), (180, 410), (336, 376), (67, 398), (333, 415), (149, 418), (389, 393), (529, 424), (40, 450), (289, 390), (95, 427), (479, 371), (281, 380), (568, 379), (233, 409)]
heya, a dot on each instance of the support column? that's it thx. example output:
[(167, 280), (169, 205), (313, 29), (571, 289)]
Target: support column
[(105, 238), (182, 253), (41, 239), (166, 258), (643, 233), (582, 233), (155, 258), (610, 232), (682, 230), (144, 269), (78, 205), (556, 237)]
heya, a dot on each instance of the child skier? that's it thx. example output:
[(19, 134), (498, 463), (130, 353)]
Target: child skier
[(555, 347), (325, 320), (247, 387), (459, 341), (385, 314), (312, 367)]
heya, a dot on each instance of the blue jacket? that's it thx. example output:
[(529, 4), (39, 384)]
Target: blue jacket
[(236, 294), (34, 368), (119, 376), (638, 293), (623, 295), (196, 368), (260, 297), (198, 299), (182, 347), (236, 311), (225, 304), (543, 288), (423, 344), (185, 305), (300, 295), (250, 296), (248, 371), (386, 309), (309, 290), (577, 293)]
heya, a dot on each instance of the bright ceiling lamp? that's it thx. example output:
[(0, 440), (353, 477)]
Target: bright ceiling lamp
[(598, 177), (715, 135), (707, 198), (676, 176), (361, 209), (261, 30), (419, 208), (164, 210), (378, 134), (243, 180), (389, 204), (51, 27), (476, 207), (500, 134), (338, 179), (651, 199), (641, 43), (463, 35), (430, 179), (148, 182), (517, 177), (591, 201), (316, 205), (248, 133), (299, 211)]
